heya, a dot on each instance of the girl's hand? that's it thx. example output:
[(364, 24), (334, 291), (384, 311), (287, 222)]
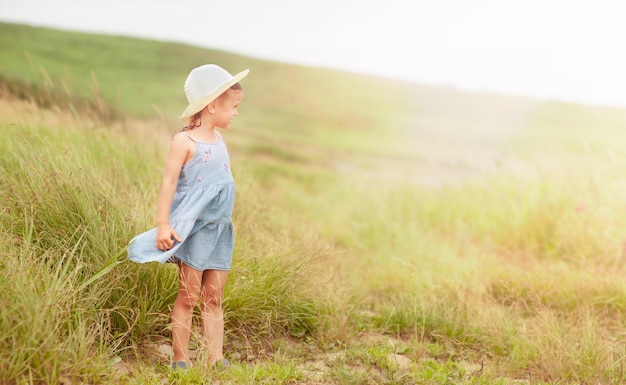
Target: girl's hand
[(165, 237)]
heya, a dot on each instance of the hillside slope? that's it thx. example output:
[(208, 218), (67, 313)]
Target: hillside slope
[(359, 124)]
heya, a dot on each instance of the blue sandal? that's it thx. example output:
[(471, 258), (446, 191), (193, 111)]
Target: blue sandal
[(222, 364), (179, 365)]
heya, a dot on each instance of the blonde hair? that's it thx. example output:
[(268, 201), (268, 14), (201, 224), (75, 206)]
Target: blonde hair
[(196, 119)]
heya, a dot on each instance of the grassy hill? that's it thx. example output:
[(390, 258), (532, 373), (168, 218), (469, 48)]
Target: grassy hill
[(387, 233), (144, 78), (298, 106)]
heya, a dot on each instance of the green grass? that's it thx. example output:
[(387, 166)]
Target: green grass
[(70, 208), (145, 78), (386, 233)]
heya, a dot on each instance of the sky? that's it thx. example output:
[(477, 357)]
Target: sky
[(569, 50)]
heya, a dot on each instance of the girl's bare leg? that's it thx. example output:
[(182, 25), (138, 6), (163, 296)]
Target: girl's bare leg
[(190, 281), (213, 283)]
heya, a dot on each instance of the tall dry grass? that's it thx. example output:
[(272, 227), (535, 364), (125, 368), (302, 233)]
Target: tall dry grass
[(75, 191), (466, 238)]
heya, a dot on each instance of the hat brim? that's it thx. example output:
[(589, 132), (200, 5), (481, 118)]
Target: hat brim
[(198, 105)]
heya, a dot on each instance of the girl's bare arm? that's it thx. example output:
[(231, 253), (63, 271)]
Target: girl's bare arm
[(179, 152)]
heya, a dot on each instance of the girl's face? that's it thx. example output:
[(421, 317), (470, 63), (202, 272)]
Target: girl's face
[(226, 108)]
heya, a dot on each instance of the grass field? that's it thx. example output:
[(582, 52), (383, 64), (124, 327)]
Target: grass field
[(387, 233)]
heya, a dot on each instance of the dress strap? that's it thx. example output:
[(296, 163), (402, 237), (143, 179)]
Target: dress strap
[(187, 135)]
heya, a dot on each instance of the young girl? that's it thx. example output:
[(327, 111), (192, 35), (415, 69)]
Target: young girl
[(194, 210)]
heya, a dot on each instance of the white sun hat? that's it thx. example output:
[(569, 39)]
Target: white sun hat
[(204, 84)]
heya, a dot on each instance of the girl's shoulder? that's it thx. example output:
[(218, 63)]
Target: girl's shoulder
[(182, 141), (200, 137), (182, 147), (183, 136)]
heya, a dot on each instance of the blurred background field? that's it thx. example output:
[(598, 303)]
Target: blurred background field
[(387, 232)]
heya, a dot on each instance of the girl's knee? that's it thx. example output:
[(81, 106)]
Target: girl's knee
[(186, 300), (212, 301)]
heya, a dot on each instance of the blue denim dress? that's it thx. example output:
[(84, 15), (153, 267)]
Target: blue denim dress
[(201, 214)]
